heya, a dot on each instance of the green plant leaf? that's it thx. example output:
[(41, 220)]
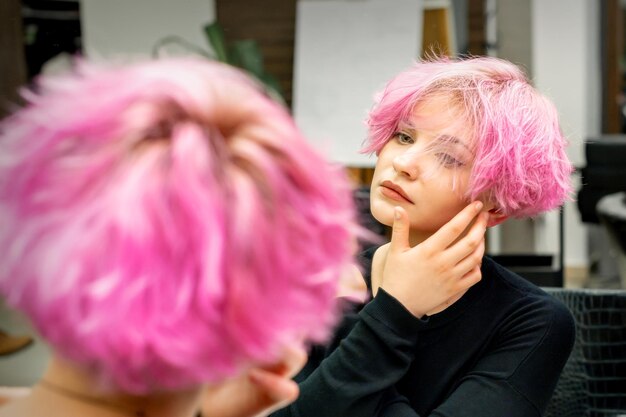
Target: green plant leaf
[(244, 54), (215, 36), (248, 56), (271, 82)]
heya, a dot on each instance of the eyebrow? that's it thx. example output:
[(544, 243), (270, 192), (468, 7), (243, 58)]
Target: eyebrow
[(454, 140), (410, 128)]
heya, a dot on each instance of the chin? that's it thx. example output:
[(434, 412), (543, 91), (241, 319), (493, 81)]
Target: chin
[(383, 213)]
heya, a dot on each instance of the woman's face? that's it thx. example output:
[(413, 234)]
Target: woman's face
[(425, 169)]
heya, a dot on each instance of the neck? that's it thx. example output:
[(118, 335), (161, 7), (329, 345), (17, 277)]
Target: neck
[(67, 386), (416, 237)]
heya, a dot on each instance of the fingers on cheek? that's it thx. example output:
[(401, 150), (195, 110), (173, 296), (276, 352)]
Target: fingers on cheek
[(472, 276)]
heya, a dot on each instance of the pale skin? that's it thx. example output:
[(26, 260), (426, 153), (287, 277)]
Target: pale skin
[(256, 393), (259, 392), (437, 241), (43, 401), (429, 277)]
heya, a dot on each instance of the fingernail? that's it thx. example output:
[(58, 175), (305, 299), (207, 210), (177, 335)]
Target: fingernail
[(396, 213), (478, 205)]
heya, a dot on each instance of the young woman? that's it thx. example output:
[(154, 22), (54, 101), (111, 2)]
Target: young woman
[(447, 132)]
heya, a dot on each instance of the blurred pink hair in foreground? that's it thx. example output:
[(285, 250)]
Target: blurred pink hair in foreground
[(164, 224)]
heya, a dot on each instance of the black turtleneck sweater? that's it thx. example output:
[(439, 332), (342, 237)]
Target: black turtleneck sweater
[(497, 352)]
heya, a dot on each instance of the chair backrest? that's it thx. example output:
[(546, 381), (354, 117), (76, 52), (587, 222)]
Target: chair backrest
[(593, 382), (603, 174), (611, 211)]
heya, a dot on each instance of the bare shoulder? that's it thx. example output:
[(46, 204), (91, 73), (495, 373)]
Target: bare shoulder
[(352, 284), (380, 256)]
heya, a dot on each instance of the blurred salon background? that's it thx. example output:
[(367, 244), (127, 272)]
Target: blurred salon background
[(325, 59)]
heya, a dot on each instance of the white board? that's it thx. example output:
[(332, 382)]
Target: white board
[(345, 51), (126, 29)]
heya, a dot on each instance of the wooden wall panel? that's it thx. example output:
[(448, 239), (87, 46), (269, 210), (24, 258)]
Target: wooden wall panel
[(476, 27), (12, 61), (269, 22), (360, 176), (612, 72), (436, 33)]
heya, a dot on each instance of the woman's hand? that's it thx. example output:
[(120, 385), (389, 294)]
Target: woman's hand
[(258, 392), (439, 270)]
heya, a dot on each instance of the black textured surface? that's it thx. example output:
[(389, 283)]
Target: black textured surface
[(593, 382)]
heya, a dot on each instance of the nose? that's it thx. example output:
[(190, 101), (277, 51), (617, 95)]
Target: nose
[(406, 164)]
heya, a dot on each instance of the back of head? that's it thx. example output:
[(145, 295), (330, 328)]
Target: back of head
[(166, 224), (520, 163)]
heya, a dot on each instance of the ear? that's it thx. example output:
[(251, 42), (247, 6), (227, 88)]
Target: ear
[(495, 218)]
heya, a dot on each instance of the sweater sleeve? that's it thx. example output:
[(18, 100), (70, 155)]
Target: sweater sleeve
[(352, 380), (513, 376), (395, 405)]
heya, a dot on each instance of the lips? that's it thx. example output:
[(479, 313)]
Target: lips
[(394, 192)]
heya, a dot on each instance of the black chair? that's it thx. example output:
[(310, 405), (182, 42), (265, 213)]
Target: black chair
[(611, 210), (593, 382), (605, 173)]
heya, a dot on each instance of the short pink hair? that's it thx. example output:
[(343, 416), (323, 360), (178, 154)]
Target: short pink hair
[(165, 224), (520, 161)]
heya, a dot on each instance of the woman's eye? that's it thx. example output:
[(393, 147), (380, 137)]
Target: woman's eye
[(449, 160), (403, 138)]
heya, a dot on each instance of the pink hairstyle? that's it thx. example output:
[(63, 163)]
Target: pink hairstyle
[(520, 161), (165, 224)]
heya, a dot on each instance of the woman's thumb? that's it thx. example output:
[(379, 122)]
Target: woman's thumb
[(400, 231)]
